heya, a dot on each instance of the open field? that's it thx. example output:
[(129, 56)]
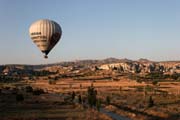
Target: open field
[(127, 98), (46, 106)]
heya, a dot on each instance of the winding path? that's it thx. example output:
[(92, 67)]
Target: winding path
[(113, 115)]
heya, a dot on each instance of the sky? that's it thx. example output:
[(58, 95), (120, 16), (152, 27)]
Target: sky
[(92, 29)]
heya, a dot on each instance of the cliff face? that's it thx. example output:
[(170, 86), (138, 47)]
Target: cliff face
[(143, 67)]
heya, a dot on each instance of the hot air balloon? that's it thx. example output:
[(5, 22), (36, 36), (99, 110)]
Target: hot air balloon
[(45, 34)]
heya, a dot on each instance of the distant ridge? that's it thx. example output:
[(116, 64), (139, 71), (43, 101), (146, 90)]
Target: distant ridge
[(135, 66), (91, 61), (144, 60)]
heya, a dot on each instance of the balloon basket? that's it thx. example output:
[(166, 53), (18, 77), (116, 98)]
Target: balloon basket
[(45, 56)]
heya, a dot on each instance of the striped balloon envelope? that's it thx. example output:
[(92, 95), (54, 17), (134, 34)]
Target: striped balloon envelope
[(45, 34)]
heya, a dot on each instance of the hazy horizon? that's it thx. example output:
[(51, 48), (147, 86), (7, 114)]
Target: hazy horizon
[(131, 29), (86, 59)]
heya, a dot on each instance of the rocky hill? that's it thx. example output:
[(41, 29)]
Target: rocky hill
[(120, 65), (143, 66)]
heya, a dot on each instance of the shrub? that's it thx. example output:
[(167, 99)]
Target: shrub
[(175, 76), (19, 97), (155, 82), (139, 88), (56, 78), (148, 88), (38, 91), (7, 87), (14, 90), (139, 81), (29, 89), (52, 82)]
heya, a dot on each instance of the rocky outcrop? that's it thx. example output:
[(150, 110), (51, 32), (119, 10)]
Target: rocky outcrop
[(120, 65), (143, 67)]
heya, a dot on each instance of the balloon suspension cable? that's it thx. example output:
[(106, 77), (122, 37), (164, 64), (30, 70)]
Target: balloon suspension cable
[(45, 56)]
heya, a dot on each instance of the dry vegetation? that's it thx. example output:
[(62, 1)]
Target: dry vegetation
[(46, 106), (128, 98), (134, 97)]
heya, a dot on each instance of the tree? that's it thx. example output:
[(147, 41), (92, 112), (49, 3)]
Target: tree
[(98, 104), (108, 100), (79, 99), (155, 83), (92, 84), (96, 68), (92, 96), (80, 86), (120, 88), (73, 95), (145, 92), (150, 102)]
